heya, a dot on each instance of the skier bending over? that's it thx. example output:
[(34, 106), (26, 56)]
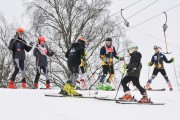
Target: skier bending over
[(74, 55)]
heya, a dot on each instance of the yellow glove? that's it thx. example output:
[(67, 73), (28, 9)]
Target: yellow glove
[(85, 54), (87, 66), (172, 59), (150, 64)]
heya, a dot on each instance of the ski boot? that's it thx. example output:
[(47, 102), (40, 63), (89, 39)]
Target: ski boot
[(23, 85), (35, 86), (83, 85), (126, 97), (70, 90), (148, 86), (73, 92), (101, 86), (145, 99), (47, 86), (108, 88), (11, 85), (170, 87)]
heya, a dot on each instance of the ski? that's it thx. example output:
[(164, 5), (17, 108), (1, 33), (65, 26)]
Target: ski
[(163, 89), (113, 99), (61, 95), (138, 103), (106, 98)]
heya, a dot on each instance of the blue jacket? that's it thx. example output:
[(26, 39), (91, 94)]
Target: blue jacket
[(157, 60)]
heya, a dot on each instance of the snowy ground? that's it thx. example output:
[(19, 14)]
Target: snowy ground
[(33, 105)]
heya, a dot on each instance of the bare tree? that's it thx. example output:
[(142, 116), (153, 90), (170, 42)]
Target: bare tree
[(5, 59), (62, 21)]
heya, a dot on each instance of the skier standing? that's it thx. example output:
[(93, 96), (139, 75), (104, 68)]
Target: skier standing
[(133, 74), (18, 46), (107, 53), (157, 59), (41, 52), (74, 56)]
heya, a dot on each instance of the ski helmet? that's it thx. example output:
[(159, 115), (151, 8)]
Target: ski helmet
[(20, 30), (155, 47), (108, 39), (82, 40), (132, 46), (41, 39)]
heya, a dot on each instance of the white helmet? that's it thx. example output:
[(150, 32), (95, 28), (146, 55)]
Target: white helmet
[(132, 46)]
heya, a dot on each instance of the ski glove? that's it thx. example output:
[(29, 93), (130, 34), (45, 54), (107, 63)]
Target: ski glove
[(120, 58), (150, 64), (106, 60), (172, 59), (31, 44)]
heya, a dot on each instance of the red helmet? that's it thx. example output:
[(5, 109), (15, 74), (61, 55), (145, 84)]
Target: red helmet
[(82, 39), (20, 30), (41, 39)]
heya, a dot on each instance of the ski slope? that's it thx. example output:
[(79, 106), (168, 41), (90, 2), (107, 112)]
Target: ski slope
[(29, 104)]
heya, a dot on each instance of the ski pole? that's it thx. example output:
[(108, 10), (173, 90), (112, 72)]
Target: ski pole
[(120, 81), (148, 72), (176, 75)]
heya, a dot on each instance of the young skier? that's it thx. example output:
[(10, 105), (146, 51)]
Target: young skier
[(107, 53), (74, 56), (133, 74), (18, 46), (157, 59), (41, 52)]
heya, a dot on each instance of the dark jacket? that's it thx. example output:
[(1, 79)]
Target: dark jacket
[(75, 53), (157, 59), (18, 47), (41, 60), (135, 66)]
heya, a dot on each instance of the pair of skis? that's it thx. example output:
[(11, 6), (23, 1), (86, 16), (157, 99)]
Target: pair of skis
[(133, 101)]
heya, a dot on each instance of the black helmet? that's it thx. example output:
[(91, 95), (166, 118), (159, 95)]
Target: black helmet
[(108, 39), (155, 47)]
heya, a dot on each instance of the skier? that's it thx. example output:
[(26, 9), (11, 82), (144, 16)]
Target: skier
[(107, 53), (157, 60), (74, 56), (133, 73), (41, 52), (18, 46)]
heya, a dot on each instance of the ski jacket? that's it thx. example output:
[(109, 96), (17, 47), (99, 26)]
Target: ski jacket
[(157, 59), (18, 46), (107, 55), (75, 54), (134, 67), (40, 53)]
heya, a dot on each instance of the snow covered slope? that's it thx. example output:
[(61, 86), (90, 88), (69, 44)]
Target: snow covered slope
[(33, 105)]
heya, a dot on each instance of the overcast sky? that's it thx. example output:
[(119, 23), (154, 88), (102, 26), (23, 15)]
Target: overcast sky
[(13, 10)]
